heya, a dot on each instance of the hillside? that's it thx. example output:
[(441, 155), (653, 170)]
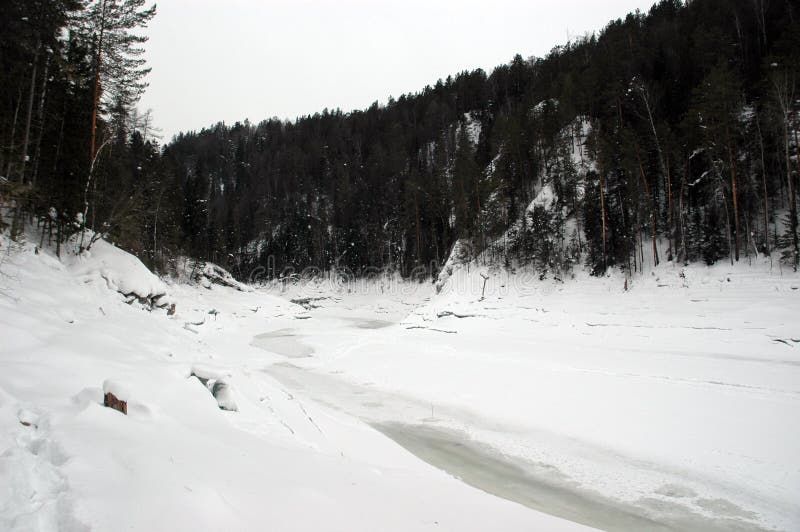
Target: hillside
[(666, 125), (677, 125)]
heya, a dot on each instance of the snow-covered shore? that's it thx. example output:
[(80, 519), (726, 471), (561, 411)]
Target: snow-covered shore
[(673, 404), (678, 398)]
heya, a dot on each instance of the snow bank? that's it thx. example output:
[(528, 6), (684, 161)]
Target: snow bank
[(121, 271)]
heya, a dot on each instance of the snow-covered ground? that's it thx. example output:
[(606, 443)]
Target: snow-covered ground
[(676, 401), (671, 406), (177, 461)]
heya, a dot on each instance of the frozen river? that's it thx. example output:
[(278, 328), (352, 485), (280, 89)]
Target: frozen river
[(672, 410)]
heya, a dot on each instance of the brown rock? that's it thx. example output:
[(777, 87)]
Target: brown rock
[(111, 401)]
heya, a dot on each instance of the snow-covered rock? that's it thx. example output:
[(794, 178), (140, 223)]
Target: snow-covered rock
[(121, 272), (118, 389), (219, 275)]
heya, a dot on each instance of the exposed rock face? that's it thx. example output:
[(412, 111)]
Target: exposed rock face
[(111, 401)]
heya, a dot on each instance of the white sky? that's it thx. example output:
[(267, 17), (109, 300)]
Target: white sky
[(228, 60)]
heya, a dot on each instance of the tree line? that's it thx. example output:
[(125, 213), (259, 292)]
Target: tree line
[(670, 135), (73, 151)]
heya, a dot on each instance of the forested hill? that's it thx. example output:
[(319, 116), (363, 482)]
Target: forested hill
[(678, 125), (679, 100)]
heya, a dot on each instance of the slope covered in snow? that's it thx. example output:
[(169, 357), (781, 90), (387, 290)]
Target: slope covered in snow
[(178, 460), (669, 406)]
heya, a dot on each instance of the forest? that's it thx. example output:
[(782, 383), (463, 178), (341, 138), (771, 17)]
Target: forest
[(677, 126)]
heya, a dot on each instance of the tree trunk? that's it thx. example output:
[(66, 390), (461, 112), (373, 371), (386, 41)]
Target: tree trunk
[(419, 229), (766, 194), (480, 214), (13, 133), (26, 136), (680, 212), (651, 204), (792, 201), (40, 118), (60, 138), (671, 251), (734, 195), (96, 91), (602, 198)]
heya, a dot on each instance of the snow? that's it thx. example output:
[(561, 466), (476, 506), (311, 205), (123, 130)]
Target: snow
[(178, 461), (117, 389), (120, 271), (676, 400), (545, 199), (473, 127), (383, 405), (462, 254)]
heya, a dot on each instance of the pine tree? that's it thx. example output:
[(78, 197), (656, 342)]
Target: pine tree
[(119, 70), (715, 112)]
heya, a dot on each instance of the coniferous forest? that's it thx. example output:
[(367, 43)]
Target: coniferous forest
[(678, 126)]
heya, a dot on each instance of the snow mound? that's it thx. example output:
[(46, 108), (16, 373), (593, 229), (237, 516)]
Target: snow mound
[(122, 272)]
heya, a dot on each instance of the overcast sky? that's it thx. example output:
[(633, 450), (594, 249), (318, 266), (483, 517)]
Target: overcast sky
[(228, 60)]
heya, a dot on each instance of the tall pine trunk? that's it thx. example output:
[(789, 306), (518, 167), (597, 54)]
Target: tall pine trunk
[(650, 204), (602, 197), (9, 167), (40, 119), (31, 94), (764, 179), (792, 199), (734, 195), (96, 89)]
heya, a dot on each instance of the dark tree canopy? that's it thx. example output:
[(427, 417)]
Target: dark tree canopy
[(677, 126)]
